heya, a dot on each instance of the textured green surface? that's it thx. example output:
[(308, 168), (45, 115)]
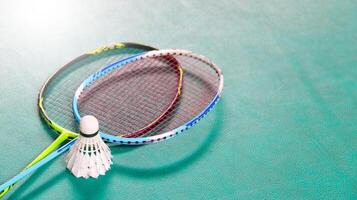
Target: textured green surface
[(286, 127)]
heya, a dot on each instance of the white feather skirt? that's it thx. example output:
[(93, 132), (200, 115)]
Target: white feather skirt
[(89, 157)]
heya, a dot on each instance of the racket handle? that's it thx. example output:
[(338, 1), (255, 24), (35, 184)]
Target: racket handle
[(21, 175)]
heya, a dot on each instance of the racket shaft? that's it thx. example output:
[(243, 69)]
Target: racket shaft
[(59, 140), (36, 166)]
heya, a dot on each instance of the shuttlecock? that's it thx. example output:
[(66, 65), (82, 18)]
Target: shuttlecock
[(89, 156)]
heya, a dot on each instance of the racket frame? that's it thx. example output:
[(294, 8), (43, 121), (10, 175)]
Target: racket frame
[(152, 54)]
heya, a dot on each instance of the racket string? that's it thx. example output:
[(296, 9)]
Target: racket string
[(199, 88), (58, 94), (131, 113), (200, 85), (119, 91), (136, 107)]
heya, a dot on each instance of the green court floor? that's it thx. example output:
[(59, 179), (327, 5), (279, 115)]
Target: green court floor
[(286, 127)]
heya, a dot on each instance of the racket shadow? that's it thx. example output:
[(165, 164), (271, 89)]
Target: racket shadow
[(179, 165), (83, 185), (32, 179)]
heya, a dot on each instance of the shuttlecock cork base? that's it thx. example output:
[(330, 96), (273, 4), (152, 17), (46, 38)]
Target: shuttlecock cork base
[(89, 156)]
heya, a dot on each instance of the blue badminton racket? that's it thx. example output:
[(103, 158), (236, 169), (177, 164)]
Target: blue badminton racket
[(173, 108)]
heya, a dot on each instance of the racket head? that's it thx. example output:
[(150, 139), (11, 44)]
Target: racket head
[(202, 87), (55, 96)]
